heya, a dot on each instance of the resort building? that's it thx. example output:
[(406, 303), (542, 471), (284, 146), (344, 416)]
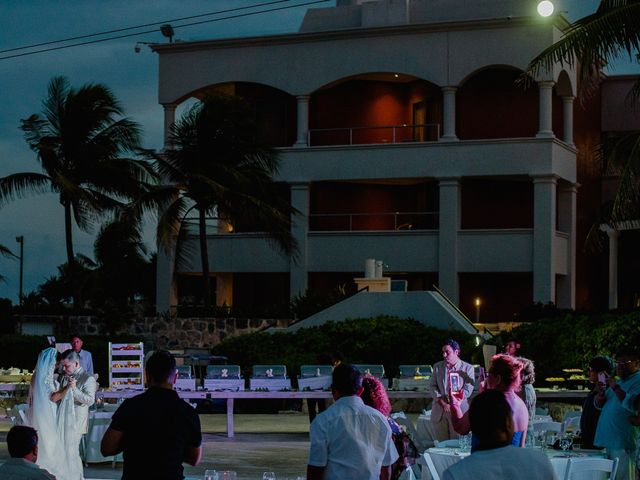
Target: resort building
[(404, 136)]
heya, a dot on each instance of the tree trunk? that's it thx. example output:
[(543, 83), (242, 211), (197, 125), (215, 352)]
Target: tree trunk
[(68, 233), (204, 259)]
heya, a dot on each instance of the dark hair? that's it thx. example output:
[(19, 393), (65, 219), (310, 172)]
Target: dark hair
[(346, 379), (70, 355), (21, 440), (160, 366), (628, 352), (453, 344), (75, 335), (489, 415), (600, 363)]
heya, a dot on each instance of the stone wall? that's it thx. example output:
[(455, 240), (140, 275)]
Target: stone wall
[(163, 332)]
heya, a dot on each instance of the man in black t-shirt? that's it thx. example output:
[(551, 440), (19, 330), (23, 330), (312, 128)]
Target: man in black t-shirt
[(156, 430)]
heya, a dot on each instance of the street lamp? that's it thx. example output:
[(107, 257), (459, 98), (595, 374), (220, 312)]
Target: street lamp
[(477, 302), (20, 240)]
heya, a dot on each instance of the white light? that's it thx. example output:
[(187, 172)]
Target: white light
[(545, 8)]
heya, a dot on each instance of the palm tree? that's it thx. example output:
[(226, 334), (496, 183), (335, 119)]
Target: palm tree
[(607, 35), (5, 252), (217, 167), (80, 140)]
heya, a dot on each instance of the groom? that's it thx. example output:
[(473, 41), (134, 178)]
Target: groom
[(81, 385)]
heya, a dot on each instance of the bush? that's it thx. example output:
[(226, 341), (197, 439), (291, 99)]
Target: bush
[(571, 341), (383, 340)]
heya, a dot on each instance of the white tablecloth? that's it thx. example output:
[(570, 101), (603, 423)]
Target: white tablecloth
[(98, 424), (443, 458), (425, 433)]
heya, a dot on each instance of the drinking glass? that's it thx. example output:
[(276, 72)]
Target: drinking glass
[(269, 476), (565, 443), (210, 475), (227, 475)]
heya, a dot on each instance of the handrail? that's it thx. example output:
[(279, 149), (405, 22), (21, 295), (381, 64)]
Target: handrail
[(394, 133), (405, 225), (454, 306)]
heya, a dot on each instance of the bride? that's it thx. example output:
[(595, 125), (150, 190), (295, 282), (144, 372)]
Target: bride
[(55, 424)]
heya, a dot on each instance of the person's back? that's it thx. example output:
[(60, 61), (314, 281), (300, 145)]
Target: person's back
[(506, 463), (349, 441), (492, 423), (158, 427), (155, 430), (22, 443)]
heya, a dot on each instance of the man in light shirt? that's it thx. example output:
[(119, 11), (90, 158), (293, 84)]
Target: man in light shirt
[(439, 387), (22, 442), (349, 440), (86, 361)]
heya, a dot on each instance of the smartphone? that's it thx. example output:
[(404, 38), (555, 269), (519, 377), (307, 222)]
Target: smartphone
[(455, 381), (602, 378)]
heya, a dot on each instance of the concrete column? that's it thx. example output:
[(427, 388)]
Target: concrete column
[(449, 114), (449, 224), (166, 288), (567, 212), (299, 229), (545, 110), (613, 235), (302, 121), (169, 120), (567, 118), (544, 233)]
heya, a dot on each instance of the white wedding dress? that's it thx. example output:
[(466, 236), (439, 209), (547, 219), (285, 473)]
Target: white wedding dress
[(57, 440)]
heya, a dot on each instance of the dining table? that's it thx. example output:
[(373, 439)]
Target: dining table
[(443, 458)]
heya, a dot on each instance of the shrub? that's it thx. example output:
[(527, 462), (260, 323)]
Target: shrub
[(383, 340)]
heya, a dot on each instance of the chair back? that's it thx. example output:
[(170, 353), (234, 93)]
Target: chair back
[(577, 467), (452, 443), (548, 427), (430, 466)]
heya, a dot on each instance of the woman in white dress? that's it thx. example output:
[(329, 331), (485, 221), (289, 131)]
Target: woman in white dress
[(55, 424)]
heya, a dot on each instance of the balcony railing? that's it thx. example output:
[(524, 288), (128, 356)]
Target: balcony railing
[(429, 132), (353, 222)]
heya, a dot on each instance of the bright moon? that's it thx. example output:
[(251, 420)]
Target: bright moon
[(545, 8)]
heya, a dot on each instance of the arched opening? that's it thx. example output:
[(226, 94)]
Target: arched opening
[(491, 105), (375, 108), (274, 109)]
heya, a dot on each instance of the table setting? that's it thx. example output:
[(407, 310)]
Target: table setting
[(559, 453)]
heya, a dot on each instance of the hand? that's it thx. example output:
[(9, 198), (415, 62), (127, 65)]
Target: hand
[(72, 382), (446, 408)]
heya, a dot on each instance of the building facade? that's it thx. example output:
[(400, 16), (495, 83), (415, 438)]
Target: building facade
[(404, 136)]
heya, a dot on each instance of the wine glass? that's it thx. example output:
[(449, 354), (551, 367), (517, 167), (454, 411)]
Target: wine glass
[(210, 475), (269, 476), (227, 475)]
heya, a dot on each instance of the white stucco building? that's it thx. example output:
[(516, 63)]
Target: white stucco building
[(403, 137)]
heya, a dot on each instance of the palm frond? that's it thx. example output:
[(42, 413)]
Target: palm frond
[(597, 39), (170, 221), (21, 185)]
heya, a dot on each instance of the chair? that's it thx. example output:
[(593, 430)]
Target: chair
[(571, 424), (18, 414), (451, 443), (402, 420), (547, 427), (578, 466), (430, 466)]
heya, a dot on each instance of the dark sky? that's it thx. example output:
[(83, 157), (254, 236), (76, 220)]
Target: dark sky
[(131, 76)]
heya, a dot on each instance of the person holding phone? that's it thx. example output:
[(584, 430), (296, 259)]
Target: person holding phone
[(600, 369), (460, 375), (614, 431)]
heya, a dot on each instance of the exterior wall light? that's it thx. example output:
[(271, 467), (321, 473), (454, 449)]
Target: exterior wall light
[(545, 8)]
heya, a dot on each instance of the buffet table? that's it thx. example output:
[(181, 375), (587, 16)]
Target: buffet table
[(253, 395)]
